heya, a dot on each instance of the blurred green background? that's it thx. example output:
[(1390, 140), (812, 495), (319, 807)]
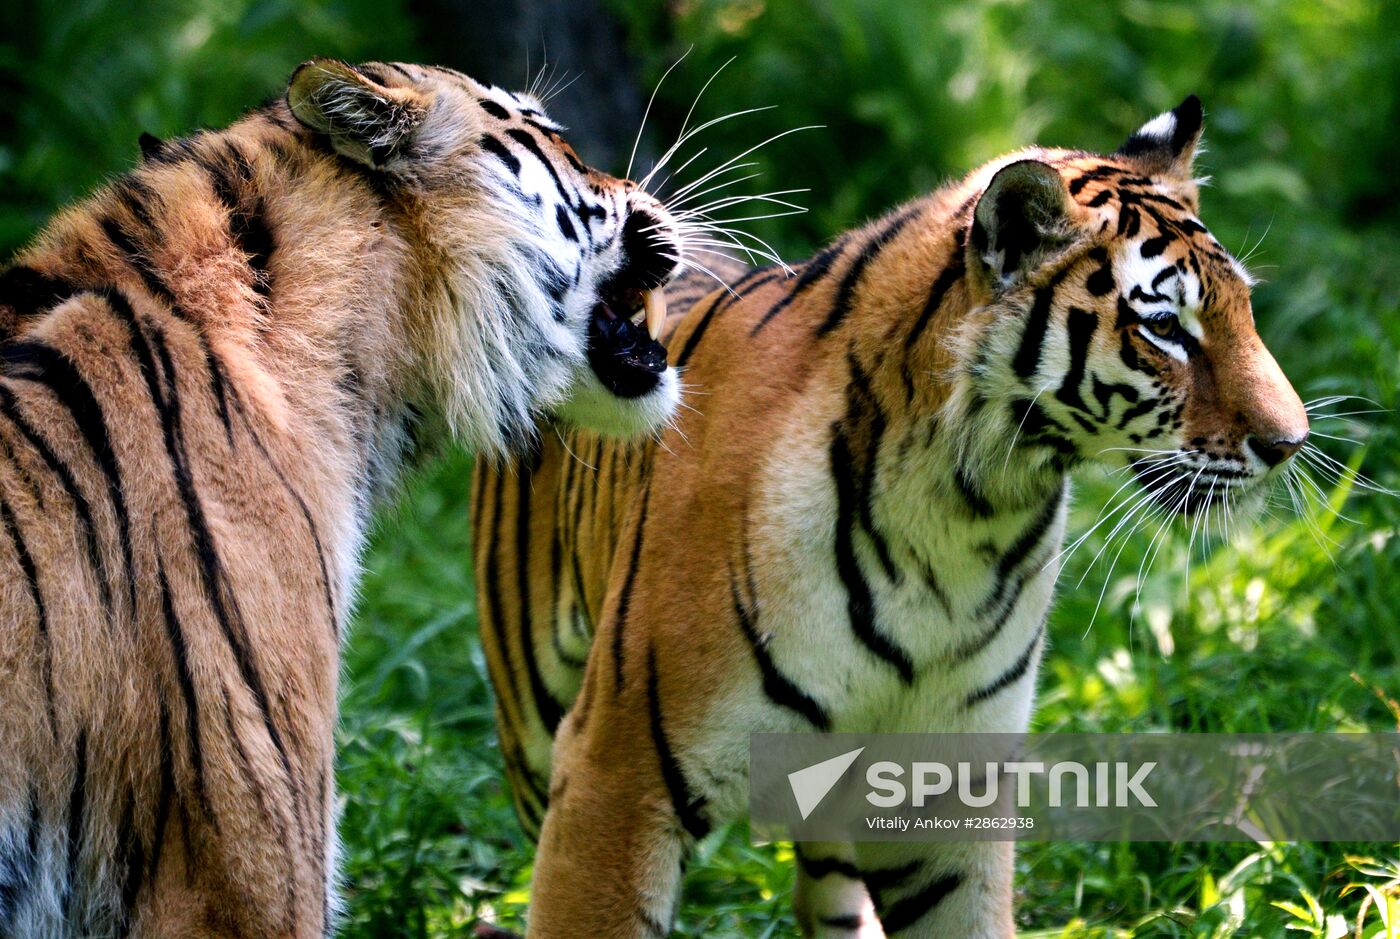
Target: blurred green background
[(1293, 626)]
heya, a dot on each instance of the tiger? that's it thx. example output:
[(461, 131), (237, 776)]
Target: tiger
[(856, 524), (211, 371)]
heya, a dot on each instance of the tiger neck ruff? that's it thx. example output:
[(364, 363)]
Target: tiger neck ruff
[(856, 525), (209, 371)]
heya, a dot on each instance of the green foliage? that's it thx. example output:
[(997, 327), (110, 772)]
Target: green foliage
[(1292, 627), (80, 80)]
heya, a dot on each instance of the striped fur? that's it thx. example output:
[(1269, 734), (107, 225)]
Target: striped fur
[(207, 372), (855, 526)]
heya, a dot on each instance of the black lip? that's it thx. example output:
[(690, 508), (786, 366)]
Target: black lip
[(627, 361)]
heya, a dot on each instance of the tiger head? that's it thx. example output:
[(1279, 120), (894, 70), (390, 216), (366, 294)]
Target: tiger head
[(540, 277), (1118, 328)]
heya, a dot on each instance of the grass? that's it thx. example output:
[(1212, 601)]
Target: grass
[(1290, 627)]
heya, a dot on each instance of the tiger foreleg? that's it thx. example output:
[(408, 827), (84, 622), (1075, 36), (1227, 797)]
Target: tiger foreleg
[(610, 852), (829, 898), (939, 890)]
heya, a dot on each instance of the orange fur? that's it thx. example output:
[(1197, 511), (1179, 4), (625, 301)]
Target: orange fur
[(210, 369), (853, 526)]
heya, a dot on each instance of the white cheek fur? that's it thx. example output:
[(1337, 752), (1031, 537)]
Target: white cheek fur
[(591, 406)]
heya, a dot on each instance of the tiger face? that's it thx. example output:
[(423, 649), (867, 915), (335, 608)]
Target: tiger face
[(543, 275), (1123, 330)]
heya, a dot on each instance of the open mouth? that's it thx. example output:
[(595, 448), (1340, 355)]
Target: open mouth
[(622, 346)]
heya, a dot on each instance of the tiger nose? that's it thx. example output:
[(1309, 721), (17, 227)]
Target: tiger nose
[(1274, 452)]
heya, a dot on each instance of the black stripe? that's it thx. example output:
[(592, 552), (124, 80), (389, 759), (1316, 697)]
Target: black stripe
[(532, 800), (624, 599), (1137, 410), (1026, 542), (217, 386), (174, 150), (1101, 171), (495, 618), (548, 708), (324, 808), (1006, 594), (812, 272), (36, 594), (137, 258), (493, 109), (776, 685), (184, 677), (688, 808), (1104, 393), (879, 880), (499, 150), (246, 221), (77, 807), (579, 490), (566, 224), (845, 292), (1009, 677), (213, 576), (722, 301), (1151, 247), (556, 575), (967, 488), (863, 409), (952, 273), (818, 867), (527, 140), (1080, 325), (1100, 280), (167, 792), (911, 909), (133, 861), (1009, 582), (137, 197), (848, 922), (1027, 358), (29, 292), (1040, 428), (860, 604), (1030, 537), (36, 362)]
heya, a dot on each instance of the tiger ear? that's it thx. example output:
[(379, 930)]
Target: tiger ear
[(1021, 219), (364, 120), (1166, 145)]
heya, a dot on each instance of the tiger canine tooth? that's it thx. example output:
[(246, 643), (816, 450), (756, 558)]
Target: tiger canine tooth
[(655, 303)]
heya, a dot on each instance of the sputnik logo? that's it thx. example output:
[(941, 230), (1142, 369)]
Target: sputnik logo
[(810, 785)]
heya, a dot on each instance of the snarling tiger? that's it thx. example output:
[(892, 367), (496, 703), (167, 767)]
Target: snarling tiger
[(209, 370), (855, 526)]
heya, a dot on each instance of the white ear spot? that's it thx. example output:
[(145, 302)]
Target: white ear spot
[(1162, 127)]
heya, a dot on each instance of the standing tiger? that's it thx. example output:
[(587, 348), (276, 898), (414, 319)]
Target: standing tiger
[(209, 371), (856, 526)]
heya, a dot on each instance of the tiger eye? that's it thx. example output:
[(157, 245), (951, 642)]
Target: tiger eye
[(1164, 328)]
